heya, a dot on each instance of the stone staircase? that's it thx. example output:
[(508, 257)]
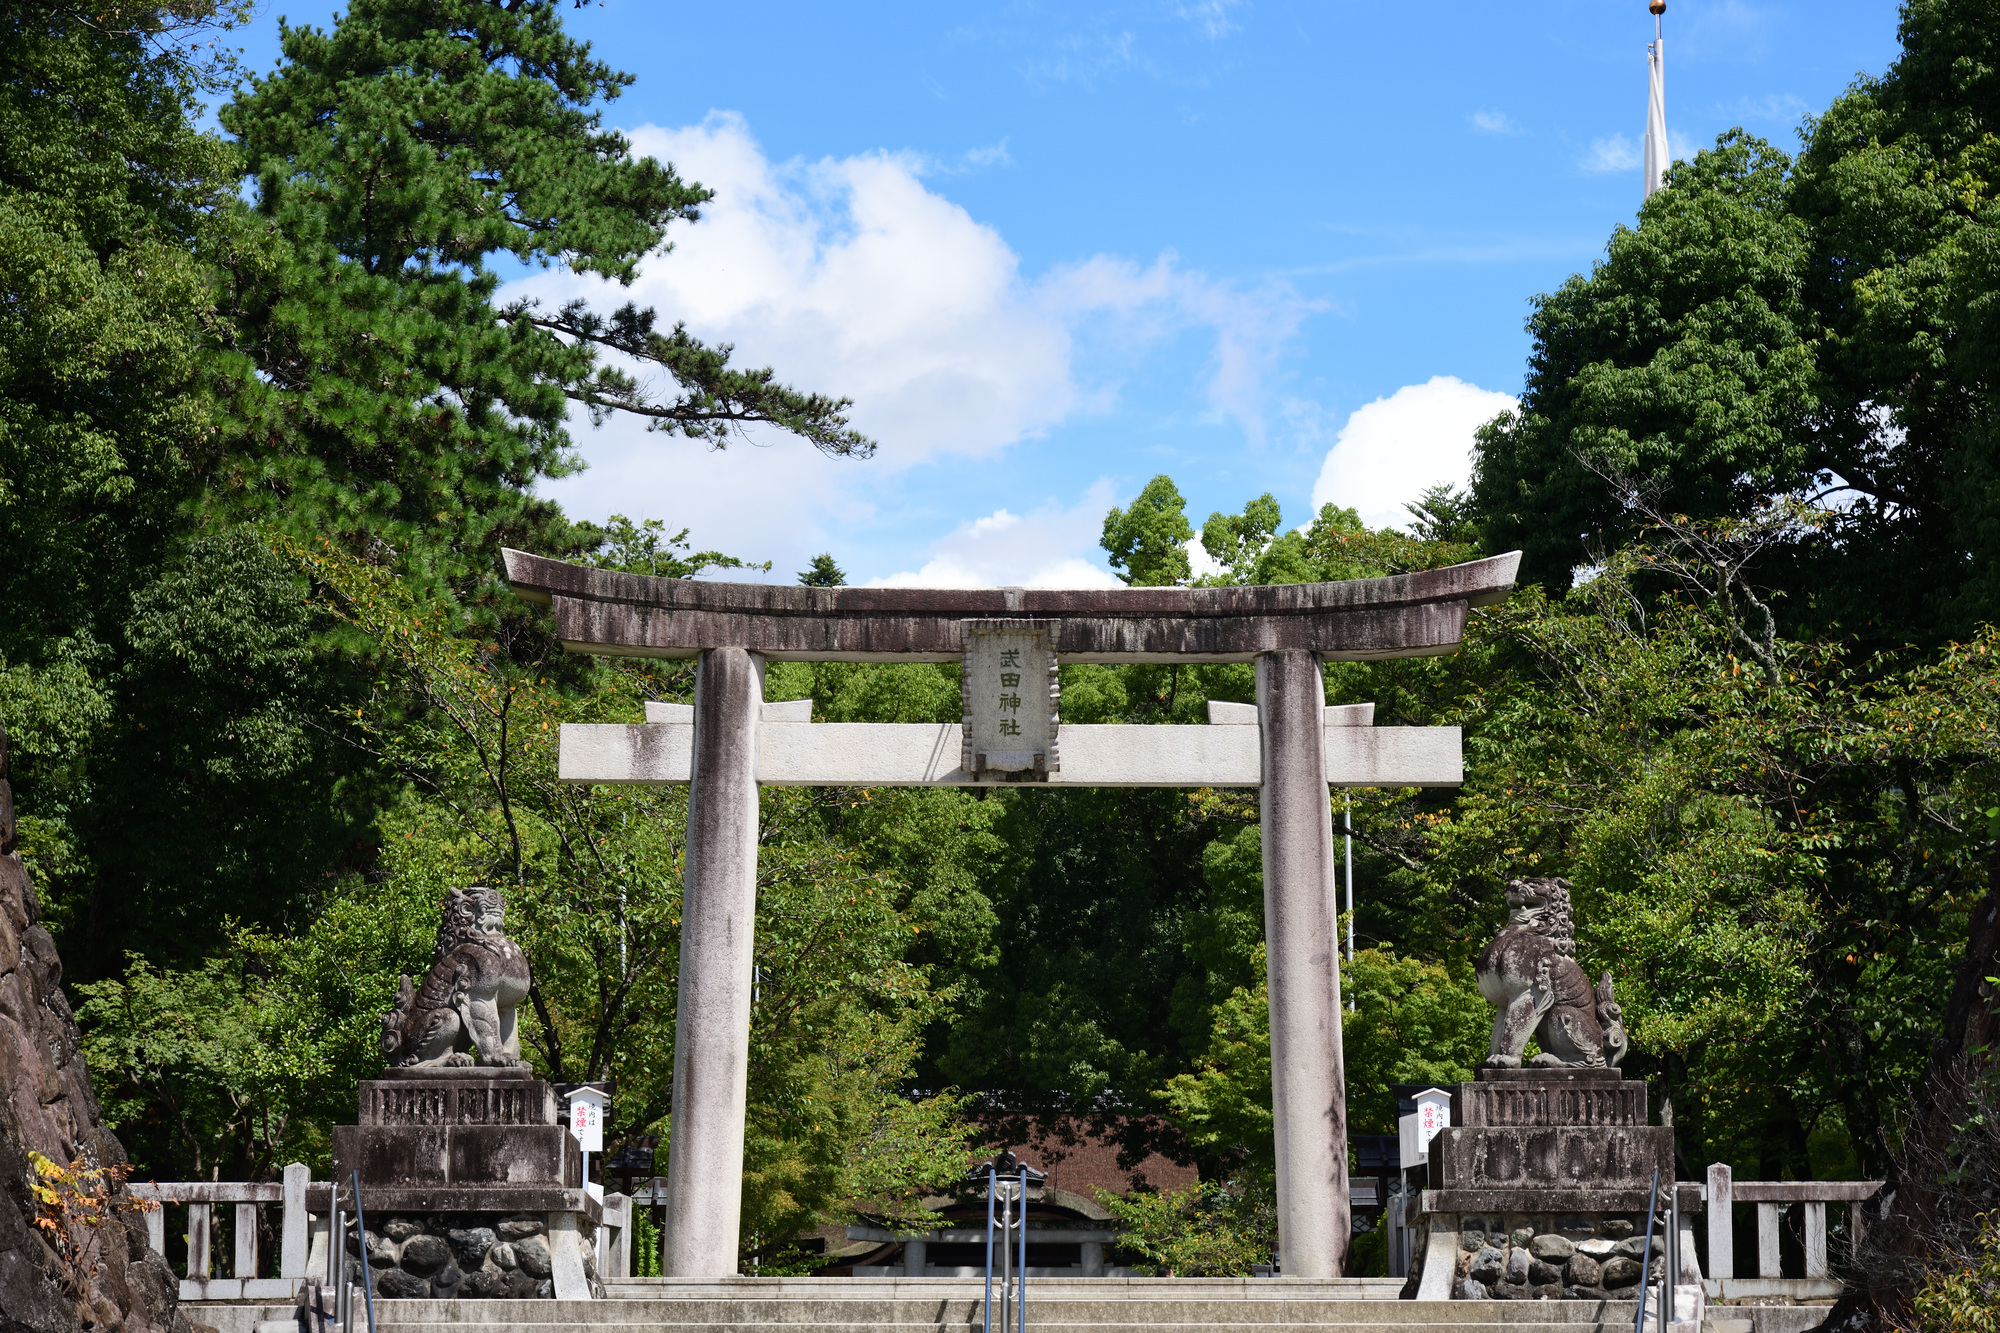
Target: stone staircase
[(953, 1305)]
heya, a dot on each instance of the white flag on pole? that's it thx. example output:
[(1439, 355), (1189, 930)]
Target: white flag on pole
[(1656, 116)]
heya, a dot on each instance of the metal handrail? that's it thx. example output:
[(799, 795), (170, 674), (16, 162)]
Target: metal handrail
[(361, 1236), (1646, 1252), (1015, 1299), (1021, 1273), (986, 1310)]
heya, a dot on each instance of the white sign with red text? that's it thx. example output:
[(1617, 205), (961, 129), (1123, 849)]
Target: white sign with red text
[(1418, 1128), (586, 1118)]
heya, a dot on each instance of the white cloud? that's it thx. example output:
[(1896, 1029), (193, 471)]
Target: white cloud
[(1494, 122), (1784, 107), (1392, 449), (1200, 563), (1614, 153), (1210, 17), (992, 155), (1045, 549), (852, 276)]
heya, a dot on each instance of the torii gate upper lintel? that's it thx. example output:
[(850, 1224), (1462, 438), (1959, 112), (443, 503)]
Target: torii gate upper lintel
[(730, 741)]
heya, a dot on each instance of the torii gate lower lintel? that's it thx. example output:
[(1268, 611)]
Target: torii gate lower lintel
[(729, 741)]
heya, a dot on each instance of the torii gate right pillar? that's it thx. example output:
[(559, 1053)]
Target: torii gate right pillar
[(1302, 952)]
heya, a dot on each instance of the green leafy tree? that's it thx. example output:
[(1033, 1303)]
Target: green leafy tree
[(1205, 1228), (823, 573), (645, 548), (1148, 542), (1822, 326), (1685, 362)]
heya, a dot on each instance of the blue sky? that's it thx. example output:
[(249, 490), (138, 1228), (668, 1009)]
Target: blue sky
[(1052, 250)]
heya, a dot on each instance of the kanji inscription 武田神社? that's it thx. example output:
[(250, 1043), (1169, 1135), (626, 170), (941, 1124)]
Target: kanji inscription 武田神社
[(1008, 691)]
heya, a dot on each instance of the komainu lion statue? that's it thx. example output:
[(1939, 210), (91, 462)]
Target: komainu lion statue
[(1530, 973), (478, 978)]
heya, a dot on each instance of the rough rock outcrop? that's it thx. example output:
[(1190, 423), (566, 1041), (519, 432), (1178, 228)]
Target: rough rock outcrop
[(46, 1105)]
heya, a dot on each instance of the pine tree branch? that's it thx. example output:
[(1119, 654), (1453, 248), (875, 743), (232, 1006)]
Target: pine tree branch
[(715, 401)]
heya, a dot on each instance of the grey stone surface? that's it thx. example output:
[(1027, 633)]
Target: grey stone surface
[(456, 1255), (47, 1106), (463, 1097), (1550, 1157), (1308, 1090), (430, 1199), (468, 999), (1402, 616), (1008, 696), (1529, 973), (1620, 1272), (514, 1228), (470, 1244), (1532, 1101), (1552, 1248), (532, 1256), (1522, 1257), (412, 1157), (712, 1017)]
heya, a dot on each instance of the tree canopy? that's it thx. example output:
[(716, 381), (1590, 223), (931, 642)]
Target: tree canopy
[(1819, 325)]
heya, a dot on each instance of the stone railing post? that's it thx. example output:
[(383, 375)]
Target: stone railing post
[(712, 1017), (292, 1242), (1721, 1223), (615, 1249), (1301, 938)]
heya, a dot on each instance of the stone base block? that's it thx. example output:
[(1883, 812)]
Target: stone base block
[(458, 1097), (472, 1156), (1551, 1157)]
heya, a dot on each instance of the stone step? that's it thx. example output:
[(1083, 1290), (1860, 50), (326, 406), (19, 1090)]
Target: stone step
[(824, 1312), (1041, 1325)]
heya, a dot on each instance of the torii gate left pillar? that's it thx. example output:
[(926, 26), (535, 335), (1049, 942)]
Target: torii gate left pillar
[(704, 1205), (730, 742)]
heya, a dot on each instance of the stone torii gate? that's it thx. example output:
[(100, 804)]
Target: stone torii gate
[(1008, 640)]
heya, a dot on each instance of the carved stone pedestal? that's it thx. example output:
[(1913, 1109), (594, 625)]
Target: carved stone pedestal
[(470, 1187), (1538, 1190)]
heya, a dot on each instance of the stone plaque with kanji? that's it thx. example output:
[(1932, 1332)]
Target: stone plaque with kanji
[(1008, 691)]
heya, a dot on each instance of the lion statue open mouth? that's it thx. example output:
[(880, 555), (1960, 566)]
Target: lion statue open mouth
[(1530, 974), (477, 980)]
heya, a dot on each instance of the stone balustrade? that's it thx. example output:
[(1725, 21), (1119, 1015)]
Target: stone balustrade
[(1772, 1198), (304, 1230)]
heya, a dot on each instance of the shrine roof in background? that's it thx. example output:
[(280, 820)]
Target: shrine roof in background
[(639, 615)]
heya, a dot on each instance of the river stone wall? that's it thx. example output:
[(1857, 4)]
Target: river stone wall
[(476, 1256)]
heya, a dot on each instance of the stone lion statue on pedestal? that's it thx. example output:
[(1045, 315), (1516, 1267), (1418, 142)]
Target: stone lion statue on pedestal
[(477, 980), (1530, 973)]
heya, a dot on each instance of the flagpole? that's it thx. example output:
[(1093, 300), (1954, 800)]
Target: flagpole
[(1657, 154)]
